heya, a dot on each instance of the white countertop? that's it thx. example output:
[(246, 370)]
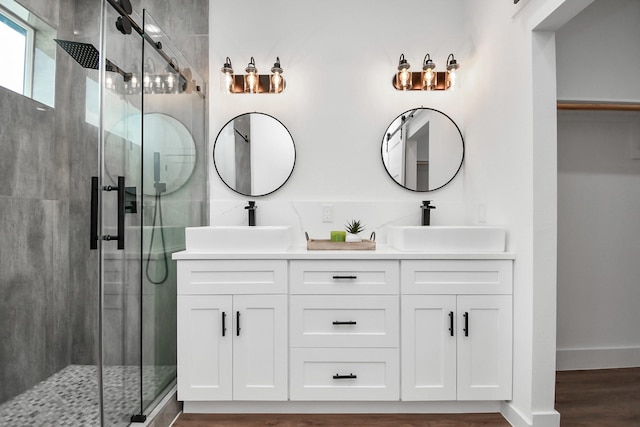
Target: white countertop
[(300, 252)]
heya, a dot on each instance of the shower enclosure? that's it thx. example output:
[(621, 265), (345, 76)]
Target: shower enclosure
[(100, 187)]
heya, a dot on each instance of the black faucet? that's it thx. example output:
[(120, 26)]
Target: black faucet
[(252, 213), (426, 212)]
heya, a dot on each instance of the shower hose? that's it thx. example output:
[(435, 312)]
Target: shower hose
[(157, 212)]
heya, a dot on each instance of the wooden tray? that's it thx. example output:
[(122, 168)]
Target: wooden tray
[(328, 245)]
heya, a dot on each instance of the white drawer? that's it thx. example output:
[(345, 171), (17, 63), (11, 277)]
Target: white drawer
[(344, 277), (344, 374), (457, 276), (344, 321), (232, 277)]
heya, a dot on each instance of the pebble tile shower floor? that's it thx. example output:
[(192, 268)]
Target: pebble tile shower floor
[(69, 397)]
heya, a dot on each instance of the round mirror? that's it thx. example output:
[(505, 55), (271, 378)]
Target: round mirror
[(423, 149), (169, 152), (254, 154)]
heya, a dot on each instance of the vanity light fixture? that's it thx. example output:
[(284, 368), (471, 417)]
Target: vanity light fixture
[(428, 78), (251, 81)]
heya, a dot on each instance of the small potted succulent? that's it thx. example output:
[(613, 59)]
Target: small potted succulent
[(352, 228)]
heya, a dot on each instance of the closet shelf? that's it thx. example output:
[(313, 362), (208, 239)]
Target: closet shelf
[(626, 106)]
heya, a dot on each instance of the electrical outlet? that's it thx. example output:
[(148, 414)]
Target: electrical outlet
[(482, 213), (327, 213)]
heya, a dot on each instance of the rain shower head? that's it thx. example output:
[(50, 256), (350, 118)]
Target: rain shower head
[(88, 56), (85, 54)]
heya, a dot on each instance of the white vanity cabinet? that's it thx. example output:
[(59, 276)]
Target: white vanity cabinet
[(456, 330), (334, 332), (344, 330), (232, 330)]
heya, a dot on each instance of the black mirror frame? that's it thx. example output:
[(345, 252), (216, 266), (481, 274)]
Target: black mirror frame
[(461, 158), (292, 143)]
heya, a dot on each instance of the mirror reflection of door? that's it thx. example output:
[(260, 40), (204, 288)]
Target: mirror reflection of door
[(423, 149)]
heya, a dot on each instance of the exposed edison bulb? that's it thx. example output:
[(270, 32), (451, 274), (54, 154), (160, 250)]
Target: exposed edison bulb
[(403, 77), (251, 83), (228, 82), (251, 78), (275, 80), (451, 79), (109, 83), (429, 79), (429, 76), (228, 79), (452, 67)]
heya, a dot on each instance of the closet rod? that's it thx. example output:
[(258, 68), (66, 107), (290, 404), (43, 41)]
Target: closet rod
[(598, 106)]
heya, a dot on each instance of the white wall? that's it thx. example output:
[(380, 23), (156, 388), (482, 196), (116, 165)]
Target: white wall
[(598, 189), (598, 53), (598, 239), (506, 113), (338, 59)]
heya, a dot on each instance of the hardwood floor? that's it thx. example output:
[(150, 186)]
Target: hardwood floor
[(342, 420), (598, 398)]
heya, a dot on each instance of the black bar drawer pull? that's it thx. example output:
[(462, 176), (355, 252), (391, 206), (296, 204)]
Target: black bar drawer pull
[(237, 323), (348, 322), (224, 323), (346, 277), (466, 324), (345, 377), (451, 323)]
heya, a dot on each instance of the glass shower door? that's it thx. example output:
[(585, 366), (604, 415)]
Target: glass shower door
[(120, 189), (173, 194)]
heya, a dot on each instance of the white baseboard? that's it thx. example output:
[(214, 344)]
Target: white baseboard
[(570, 359), (342, 407), (538, 419)]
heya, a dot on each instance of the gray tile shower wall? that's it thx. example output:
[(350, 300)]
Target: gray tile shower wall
[(37, 281), (48, 277)]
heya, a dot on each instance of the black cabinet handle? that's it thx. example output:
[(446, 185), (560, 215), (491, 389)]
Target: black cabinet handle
[(94, 213), (346, 277), (237, 323), (451, 323), (466, 324), (224, 323), (348, 322), (345, 377)]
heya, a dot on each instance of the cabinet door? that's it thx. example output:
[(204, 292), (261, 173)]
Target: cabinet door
[(484, 347), (260, 347), (204, 349), (428, 347)]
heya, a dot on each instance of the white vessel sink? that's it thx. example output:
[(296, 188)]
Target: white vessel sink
[(469, 239), (239, 238)]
